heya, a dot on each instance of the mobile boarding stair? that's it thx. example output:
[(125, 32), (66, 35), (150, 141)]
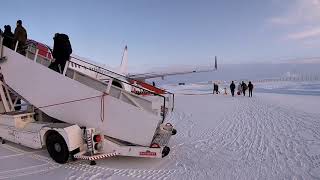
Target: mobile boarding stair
[(42, 54), (75, 114)]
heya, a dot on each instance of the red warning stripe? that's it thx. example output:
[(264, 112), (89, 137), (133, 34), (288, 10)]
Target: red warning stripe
[(96, 157)]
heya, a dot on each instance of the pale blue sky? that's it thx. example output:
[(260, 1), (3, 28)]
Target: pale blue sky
[(166, 32)]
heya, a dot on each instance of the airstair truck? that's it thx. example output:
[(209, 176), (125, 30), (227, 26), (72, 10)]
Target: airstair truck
[(75, 115)]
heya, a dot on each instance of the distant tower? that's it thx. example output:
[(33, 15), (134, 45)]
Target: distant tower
[(215, 63), (123, 68)]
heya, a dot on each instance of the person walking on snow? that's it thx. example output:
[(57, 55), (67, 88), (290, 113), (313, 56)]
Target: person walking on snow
[(215, 88), (250, 86), (239, 89), (232, 88), (244, 88), (20, 36)]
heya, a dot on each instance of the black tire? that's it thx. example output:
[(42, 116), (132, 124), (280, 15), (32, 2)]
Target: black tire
[(174, 132), (57, 148), (2, 141), (165, 151)]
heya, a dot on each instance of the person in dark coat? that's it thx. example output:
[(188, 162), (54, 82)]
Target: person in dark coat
[(61, 52), (217, 89), (232, 88), (20, 35), (250, 86), (8, 37), (244, 88)]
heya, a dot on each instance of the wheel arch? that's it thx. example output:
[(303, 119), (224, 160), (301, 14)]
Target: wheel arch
[(117, 84), (72, 135)]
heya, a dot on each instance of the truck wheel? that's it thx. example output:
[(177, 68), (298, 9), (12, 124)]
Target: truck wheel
[(2, 140), (174, 131), (165, 151), (57, 148)]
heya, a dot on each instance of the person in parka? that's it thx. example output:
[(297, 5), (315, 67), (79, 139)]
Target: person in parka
[(239, 89), (61, 52), (250, 86), (217, 89), (8, 37), (20, 35), (232, 88), (244, 88)]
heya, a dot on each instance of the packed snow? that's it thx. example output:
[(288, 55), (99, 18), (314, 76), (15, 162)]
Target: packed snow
[(268, 136)]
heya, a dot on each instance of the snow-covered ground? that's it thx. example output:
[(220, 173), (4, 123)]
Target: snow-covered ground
[(279, 87), (290, 87), (269, 136)]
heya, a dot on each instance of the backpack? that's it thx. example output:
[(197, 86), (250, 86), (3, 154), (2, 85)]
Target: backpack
[(65, 42), (62, 47), (245, 87)]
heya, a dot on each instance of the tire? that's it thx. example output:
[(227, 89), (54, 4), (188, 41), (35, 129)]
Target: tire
[(57, 148), (174, 132), (165, 151)]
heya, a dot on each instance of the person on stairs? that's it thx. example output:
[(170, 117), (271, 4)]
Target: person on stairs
[(61, 52), (20, 36), (8, 37)]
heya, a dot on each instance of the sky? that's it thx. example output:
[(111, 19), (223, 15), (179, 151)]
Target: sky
[(173, 32)]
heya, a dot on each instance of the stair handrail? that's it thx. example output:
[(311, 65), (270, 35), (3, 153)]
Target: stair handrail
[(151, 92), (167, 92), (121, 75), (1, 46)]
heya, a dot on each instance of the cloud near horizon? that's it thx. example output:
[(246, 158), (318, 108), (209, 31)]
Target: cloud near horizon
[(313, 32), (303, 16)]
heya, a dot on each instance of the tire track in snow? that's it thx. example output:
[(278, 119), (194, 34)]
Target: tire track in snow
[(80, 169), (48, 164), (256, 140), (98, 172)]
